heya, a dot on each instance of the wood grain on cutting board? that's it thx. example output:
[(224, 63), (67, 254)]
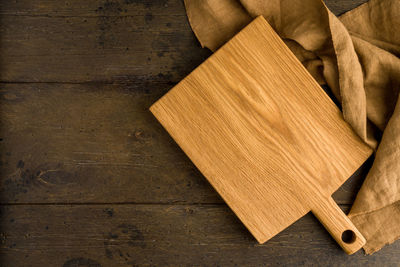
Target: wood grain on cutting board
[(265, 135)]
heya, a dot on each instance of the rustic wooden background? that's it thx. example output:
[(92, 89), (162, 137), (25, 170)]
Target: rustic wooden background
[(88, 176)]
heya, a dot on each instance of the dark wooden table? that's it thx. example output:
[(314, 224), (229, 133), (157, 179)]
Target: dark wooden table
[(89, 178)]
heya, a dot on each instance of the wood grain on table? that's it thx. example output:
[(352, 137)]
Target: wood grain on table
[(88, 176)]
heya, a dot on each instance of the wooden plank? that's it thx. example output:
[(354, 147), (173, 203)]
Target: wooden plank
[(82, 50), (121, 7), (75, 143), (78, 8), (90, 143), (110, 41), (108, 47), (161, 235)]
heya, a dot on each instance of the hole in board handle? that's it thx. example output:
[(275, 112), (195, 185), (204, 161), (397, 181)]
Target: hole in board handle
[(348, 237)]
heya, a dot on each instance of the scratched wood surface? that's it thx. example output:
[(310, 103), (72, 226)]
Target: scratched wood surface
[(89, 178)]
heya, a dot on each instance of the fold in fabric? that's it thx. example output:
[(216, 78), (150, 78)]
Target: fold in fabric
[(357, 55)]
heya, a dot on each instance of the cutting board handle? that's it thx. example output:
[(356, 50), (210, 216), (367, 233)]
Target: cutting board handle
[(339, 225)]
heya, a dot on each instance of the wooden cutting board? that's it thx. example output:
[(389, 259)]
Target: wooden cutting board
[(265, 135)]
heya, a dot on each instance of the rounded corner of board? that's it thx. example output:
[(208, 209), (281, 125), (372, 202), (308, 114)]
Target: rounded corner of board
[(152, 107), (262, 241), (260, 17), (155, 107), (370, 151)]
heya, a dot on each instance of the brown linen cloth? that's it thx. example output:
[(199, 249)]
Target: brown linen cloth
[(357, 55)]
